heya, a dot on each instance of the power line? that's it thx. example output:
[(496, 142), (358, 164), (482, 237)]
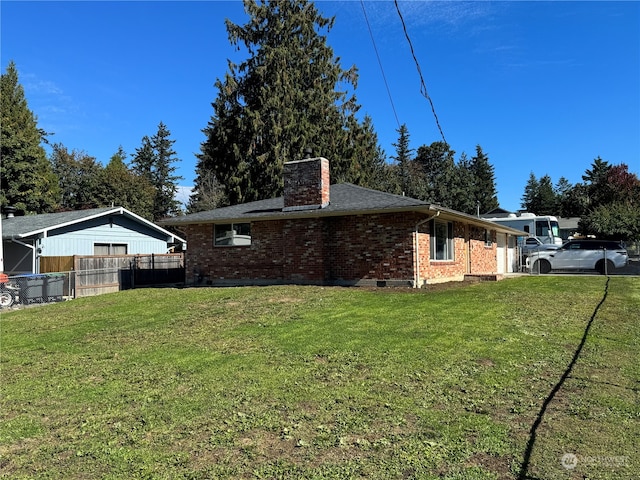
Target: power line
[(375, 48), (423, 87)]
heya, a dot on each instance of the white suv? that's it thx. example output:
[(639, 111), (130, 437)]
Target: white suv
[(601, 255)]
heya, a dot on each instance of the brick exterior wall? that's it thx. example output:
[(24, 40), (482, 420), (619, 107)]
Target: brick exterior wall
[(306, 183), (483, 258), (357, 249)]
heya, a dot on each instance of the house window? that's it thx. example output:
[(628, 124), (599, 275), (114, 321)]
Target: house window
[(109, 248), (232, 234), (441, 240), (487, 238)]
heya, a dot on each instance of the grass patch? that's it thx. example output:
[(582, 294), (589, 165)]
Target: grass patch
[(311, 382)]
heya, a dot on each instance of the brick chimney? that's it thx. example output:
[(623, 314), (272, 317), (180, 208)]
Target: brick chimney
[(306, 184)]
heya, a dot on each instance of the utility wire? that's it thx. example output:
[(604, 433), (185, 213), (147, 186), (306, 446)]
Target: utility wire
[(375, 48), (423, 87)]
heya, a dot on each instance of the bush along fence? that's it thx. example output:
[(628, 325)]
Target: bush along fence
[(90, 275)]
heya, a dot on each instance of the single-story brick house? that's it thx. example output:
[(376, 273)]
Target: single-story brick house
[(341, 234)]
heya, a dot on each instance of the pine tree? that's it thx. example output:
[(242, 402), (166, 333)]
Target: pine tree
[(125, 188), (465, 200), (438, 169), (529, 198), (403, 158), (484, 189), (562, 190), (283, 99), (164, 178), (27, 181), (596, 181), (546, 201), (154, 162), (207, 193), (80, 178)]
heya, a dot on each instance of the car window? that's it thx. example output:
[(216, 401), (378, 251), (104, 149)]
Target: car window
[(574, 246)]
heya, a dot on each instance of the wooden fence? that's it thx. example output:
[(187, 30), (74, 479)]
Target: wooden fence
[(97, 274)]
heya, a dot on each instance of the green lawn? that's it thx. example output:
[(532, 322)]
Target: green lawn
[(311, 382)]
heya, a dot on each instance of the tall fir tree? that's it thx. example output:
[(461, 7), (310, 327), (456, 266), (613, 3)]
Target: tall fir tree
[(126, 188), (465, 201), (27, 180), (165, 178), (80, 178), (546, 201), (562, 190), (290, 94), (438, 169), (596, 181), (403, 158), (154, 161), (528, 200), (484, 188)]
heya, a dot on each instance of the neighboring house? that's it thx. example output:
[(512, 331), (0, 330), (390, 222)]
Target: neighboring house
[(568, 227), (99, 231), (341, 235)]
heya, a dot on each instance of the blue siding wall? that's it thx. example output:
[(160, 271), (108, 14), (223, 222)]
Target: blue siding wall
[(80, 239)]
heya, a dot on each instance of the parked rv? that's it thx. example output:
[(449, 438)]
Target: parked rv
[(545, 228)]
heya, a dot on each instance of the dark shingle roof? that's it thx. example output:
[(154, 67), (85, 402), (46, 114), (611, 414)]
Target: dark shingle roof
[(345, 198), (24, 225)]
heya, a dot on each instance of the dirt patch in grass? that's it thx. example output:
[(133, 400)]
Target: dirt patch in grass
[(499, 465)]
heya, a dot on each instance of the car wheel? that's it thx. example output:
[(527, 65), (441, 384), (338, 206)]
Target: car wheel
[(541, 266), (609, 270), (6, 299)]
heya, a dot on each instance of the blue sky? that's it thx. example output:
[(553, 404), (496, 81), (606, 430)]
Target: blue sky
[(543, 87)]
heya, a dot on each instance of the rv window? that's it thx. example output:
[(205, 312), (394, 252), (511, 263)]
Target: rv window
[(542, 228)]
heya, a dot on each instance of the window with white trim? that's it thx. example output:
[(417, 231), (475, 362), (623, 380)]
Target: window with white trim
[(232, 234), (488, 239), (109, 248), (441, 240)]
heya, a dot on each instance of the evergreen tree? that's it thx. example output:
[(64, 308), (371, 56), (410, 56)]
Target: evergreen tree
[(465, 201), (283, 99), (438, 169), (528, 200), (154, 162), (615, 205), (562, 191), (596, 182), (484, 188), (207, 193), (164, 178), (575, 201), (403, 157), (367, 165), (546, 202), (123, 187), (27, 180), (80, 178)]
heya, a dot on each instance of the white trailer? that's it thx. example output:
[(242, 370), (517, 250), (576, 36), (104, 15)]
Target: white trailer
[(544, 227)]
